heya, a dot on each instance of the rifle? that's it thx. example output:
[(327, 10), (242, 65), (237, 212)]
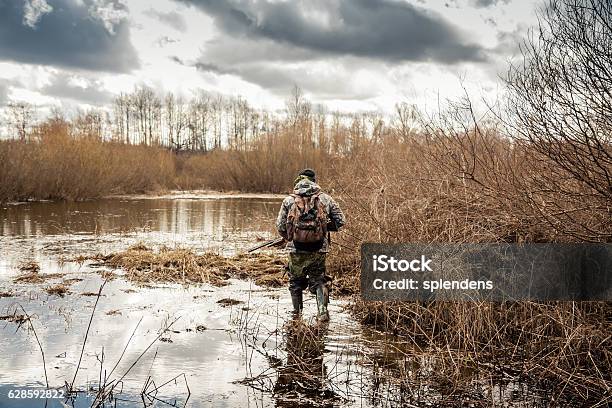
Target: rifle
[(270, 243), (331, 226)]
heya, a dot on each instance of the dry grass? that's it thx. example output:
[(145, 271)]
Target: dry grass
[(229, 302), (478, 187), (34, 277), (58, 164), (304, 340), (29, 267), (144, 266), (60, 290), (19, 319), (268, 165)]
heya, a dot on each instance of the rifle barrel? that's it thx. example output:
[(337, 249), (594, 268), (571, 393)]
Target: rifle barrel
[(265, 244)]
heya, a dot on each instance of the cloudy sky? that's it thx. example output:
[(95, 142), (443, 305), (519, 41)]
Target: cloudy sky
[(346, 54)]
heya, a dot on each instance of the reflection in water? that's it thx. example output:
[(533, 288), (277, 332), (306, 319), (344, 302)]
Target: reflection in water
[(212, 218), (201, 344), (302, 380), (49, 232)]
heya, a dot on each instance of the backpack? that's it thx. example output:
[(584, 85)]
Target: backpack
[(307, 220)]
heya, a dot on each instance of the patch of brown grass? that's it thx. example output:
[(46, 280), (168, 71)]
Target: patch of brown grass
[(57, 163), (477, 186), (60, 290), (143, 265), (35, 277), (229, 302), (90, 294), (108, 275), (15, 318), (29, 266)]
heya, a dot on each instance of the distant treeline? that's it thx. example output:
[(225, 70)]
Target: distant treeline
[(153, 146), (205, 122), (71, 159)]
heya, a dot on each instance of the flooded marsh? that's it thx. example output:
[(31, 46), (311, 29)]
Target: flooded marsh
[(113, 302)]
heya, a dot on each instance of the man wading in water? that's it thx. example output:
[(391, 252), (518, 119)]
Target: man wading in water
[(304, 220)]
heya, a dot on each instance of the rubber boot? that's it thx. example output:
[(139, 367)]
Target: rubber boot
[(322, 301), (298, 304)]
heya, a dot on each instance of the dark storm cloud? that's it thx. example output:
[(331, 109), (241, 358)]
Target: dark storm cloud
[(280, 79), (384, 29), (206, 67), (172, 18), (70, 34), (488, 3), (92, 93), (201, 66), (230, 51)]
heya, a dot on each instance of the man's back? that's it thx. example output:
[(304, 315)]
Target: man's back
[(307, 188), (304, 217)]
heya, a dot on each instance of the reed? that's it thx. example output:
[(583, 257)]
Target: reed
[(56, 164), (269, 164), (478, 186)]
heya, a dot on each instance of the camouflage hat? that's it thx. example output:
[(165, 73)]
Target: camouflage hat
[(310, 173)]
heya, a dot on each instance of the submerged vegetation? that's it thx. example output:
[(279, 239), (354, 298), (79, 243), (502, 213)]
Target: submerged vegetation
[(143, 266)]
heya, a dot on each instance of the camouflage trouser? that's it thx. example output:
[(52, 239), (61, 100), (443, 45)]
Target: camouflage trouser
[(306, 270)]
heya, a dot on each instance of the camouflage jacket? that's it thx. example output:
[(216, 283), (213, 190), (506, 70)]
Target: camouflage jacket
[(308, 188)]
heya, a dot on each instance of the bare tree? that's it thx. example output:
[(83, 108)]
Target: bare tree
[(147, 107), (89, 124), (199, 121), (217, 107), (298, 107), (406, 120), (21, 117), (561, 98), (299, 112), (122, 115), (176, 120)]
